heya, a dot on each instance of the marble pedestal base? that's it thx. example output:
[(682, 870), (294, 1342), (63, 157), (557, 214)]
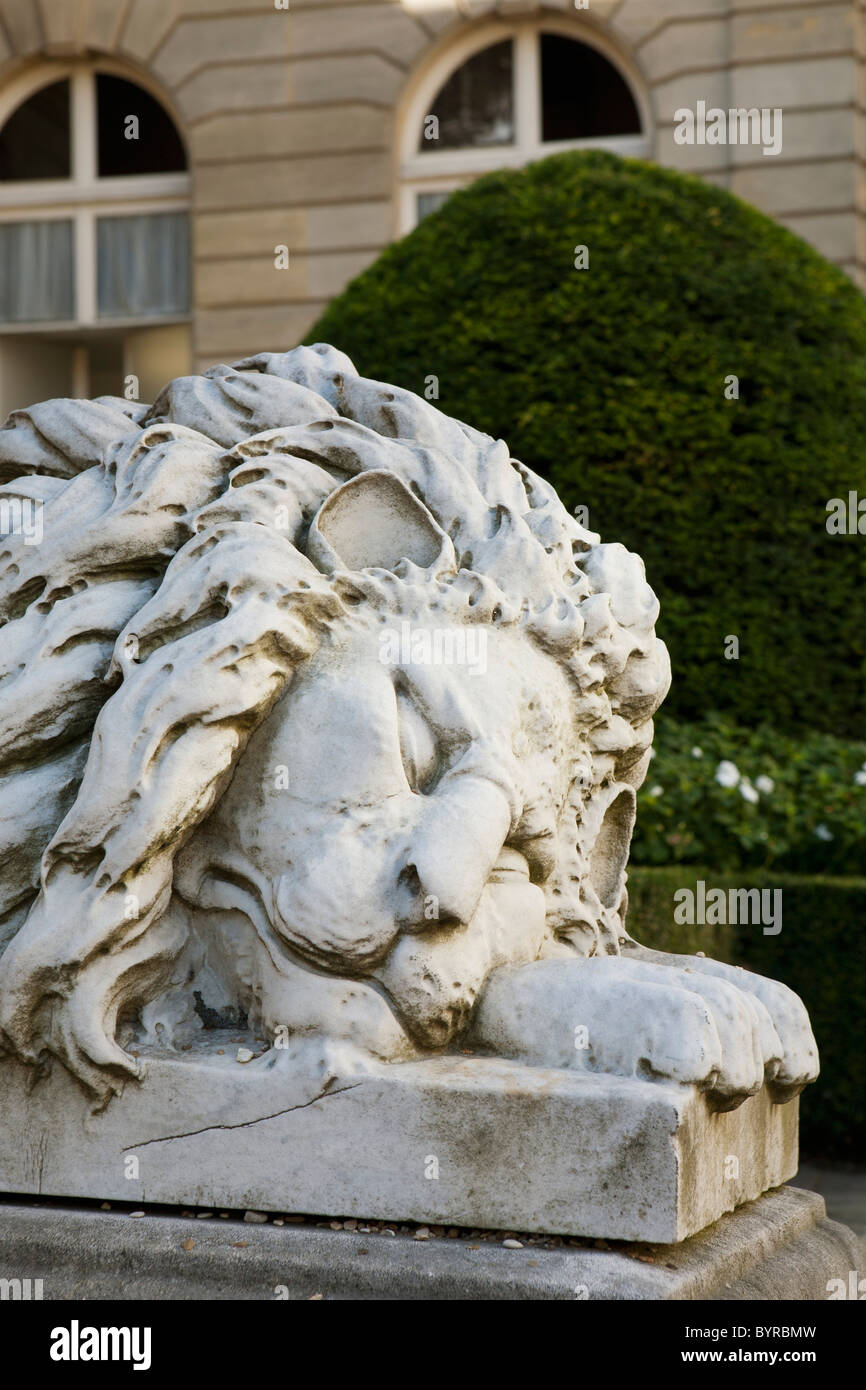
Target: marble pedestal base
[(780, 1247), (463, 1141)]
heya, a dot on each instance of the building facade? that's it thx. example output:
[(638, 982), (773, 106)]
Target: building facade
[(186, 181)]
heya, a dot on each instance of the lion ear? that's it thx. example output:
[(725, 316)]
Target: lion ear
[(373, 522)]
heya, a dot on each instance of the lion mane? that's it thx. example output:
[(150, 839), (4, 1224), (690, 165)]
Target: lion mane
[(164, 610)]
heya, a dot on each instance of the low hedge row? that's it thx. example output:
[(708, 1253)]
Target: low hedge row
[(818, 952)]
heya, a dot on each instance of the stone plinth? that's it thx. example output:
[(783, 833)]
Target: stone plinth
[(468, 1141), (780, 1247)]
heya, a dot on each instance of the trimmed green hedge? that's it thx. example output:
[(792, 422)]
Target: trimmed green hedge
[(611, 382), (819, 953)]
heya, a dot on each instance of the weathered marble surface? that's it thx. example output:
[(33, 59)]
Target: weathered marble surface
[(473, 1141), (779, 1247), (320, 716)]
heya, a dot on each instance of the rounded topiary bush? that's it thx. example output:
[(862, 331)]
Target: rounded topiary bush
[(611, 382)]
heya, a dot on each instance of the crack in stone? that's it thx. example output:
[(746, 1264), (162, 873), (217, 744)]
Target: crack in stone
[(243, 1124)]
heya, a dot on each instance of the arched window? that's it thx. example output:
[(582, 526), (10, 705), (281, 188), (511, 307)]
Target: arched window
[(508, 94), (94, 235)]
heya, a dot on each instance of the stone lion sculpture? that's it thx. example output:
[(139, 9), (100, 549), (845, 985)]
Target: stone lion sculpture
[(249, 773)]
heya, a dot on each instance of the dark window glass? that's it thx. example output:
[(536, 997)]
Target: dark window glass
[(583, 96), (148, 145), (476, 105), (35, 141)]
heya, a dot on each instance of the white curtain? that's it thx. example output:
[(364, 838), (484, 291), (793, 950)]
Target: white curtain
[(429, 202), (143, 265), (37, 279)]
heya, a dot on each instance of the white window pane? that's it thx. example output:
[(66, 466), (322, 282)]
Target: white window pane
[(429, 202), (476, 105), (36, 272), (143, 265)]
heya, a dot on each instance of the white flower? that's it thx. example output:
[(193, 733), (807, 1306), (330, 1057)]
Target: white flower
[(764, 784), (860, 777), (697, 752), (727, 773), (822, 832), (747, 791), (656, 790)]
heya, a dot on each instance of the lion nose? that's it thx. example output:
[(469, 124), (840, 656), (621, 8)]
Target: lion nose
[(456, 845)]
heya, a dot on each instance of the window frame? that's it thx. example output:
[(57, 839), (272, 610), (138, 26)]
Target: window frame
[(85, 196), (448, 170)]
